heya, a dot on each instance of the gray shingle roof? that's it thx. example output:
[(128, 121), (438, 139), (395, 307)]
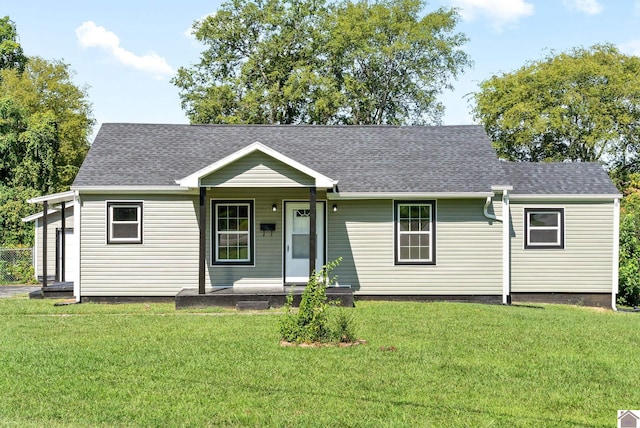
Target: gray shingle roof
[(575, 178), (362, 158)]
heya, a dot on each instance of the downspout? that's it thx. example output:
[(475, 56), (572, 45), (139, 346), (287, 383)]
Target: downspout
[(616, 252), (506, 257), (77, 233), (506, 249)]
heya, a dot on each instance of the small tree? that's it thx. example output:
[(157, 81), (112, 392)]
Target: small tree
[(312, 323)]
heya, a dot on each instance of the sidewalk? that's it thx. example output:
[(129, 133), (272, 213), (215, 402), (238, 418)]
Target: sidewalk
[(13, 290)]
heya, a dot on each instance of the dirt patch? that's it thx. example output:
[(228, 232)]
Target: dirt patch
[(324, 345)]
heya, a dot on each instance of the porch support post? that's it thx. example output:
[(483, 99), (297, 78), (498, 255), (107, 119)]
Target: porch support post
[(203, 239), (63, 242), (312, 229), (45, 208)]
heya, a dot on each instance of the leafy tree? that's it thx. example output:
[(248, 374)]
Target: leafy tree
[(11, 54), (629, 273), (311, 61), (582, 105), (46, 94), (45, 121)]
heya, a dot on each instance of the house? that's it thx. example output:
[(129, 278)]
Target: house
[(414, 213), (628, 419)]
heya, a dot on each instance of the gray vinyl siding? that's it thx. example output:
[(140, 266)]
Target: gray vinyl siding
[(165, 262), (468, 250), (585, 263), (267, 268), (167, 259), (257, 170), (54, 222)]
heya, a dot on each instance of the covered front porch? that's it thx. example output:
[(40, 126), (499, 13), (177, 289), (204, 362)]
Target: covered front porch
[(262, 221)]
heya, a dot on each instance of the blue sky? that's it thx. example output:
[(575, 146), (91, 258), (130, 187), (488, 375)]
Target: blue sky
[(126, 52)]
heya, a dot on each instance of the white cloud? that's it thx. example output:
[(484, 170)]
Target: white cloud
[(91, 35), (500, 12), (590, 7), (631, 48)]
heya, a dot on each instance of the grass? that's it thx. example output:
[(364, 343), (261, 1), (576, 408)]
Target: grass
[(425, 364)]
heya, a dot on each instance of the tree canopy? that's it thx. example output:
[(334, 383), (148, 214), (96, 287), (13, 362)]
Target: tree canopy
[(11, 54), (311, 61), (581, 105), (45, 121)]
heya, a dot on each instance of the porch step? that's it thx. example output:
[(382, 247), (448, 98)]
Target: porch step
[(252, 305), (228, 298), (58, 290)]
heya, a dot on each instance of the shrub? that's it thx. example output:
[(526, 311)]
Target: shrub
[(312, 322), (629, 273)]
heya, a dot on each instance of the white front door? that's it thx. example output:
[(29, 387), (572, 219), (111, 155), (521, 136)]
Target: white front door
[(296, 246)]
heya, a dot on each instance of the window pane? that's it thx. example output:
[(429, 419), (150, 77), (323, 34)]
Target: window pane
[(404, 211), (222, 253), (243, 225), (125, 214), (232, 210), (543, 219), (537, 236), (300, 222), (300, 246), (243, 239), (233, 254), (404, 253), (424, 212), (243, 211), (126, 230), (222, 211), (404, 225), (243, 253), (404, 240), (222, 225)]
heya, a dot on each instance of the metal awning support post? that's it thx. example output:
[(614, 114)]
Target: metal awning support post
[(312, 230), (45, 208), (62, 242), (202, 224)]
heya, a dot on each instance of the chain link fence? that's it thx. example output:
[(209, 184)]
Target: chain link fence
[(16, 265)]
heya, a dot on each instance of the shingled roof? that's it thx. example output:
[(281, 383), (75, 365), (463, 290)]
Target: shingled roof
[(559, 178), (386, 159), (362, 158)]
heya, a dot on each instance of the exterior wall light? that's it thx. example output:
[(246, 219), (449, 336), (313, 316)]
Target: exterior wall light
[(335, 207), (274, 208)]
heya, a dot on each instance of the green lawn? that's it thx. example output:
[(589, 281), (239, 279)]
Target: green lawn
[(425, 364)]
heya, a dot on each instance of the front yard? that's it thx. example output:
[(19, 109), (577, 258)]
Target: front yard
[(425, 364)]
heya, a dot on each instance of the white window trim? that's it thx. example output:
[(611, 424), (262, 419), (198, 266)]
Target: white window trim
[(397, 232), (213, 204), (560, 243), (110, 221)]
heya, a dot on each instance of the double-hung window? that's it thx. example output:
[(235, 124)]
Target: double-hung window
[(124, 222), (414, 232), (544, 228), (232, 232)]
